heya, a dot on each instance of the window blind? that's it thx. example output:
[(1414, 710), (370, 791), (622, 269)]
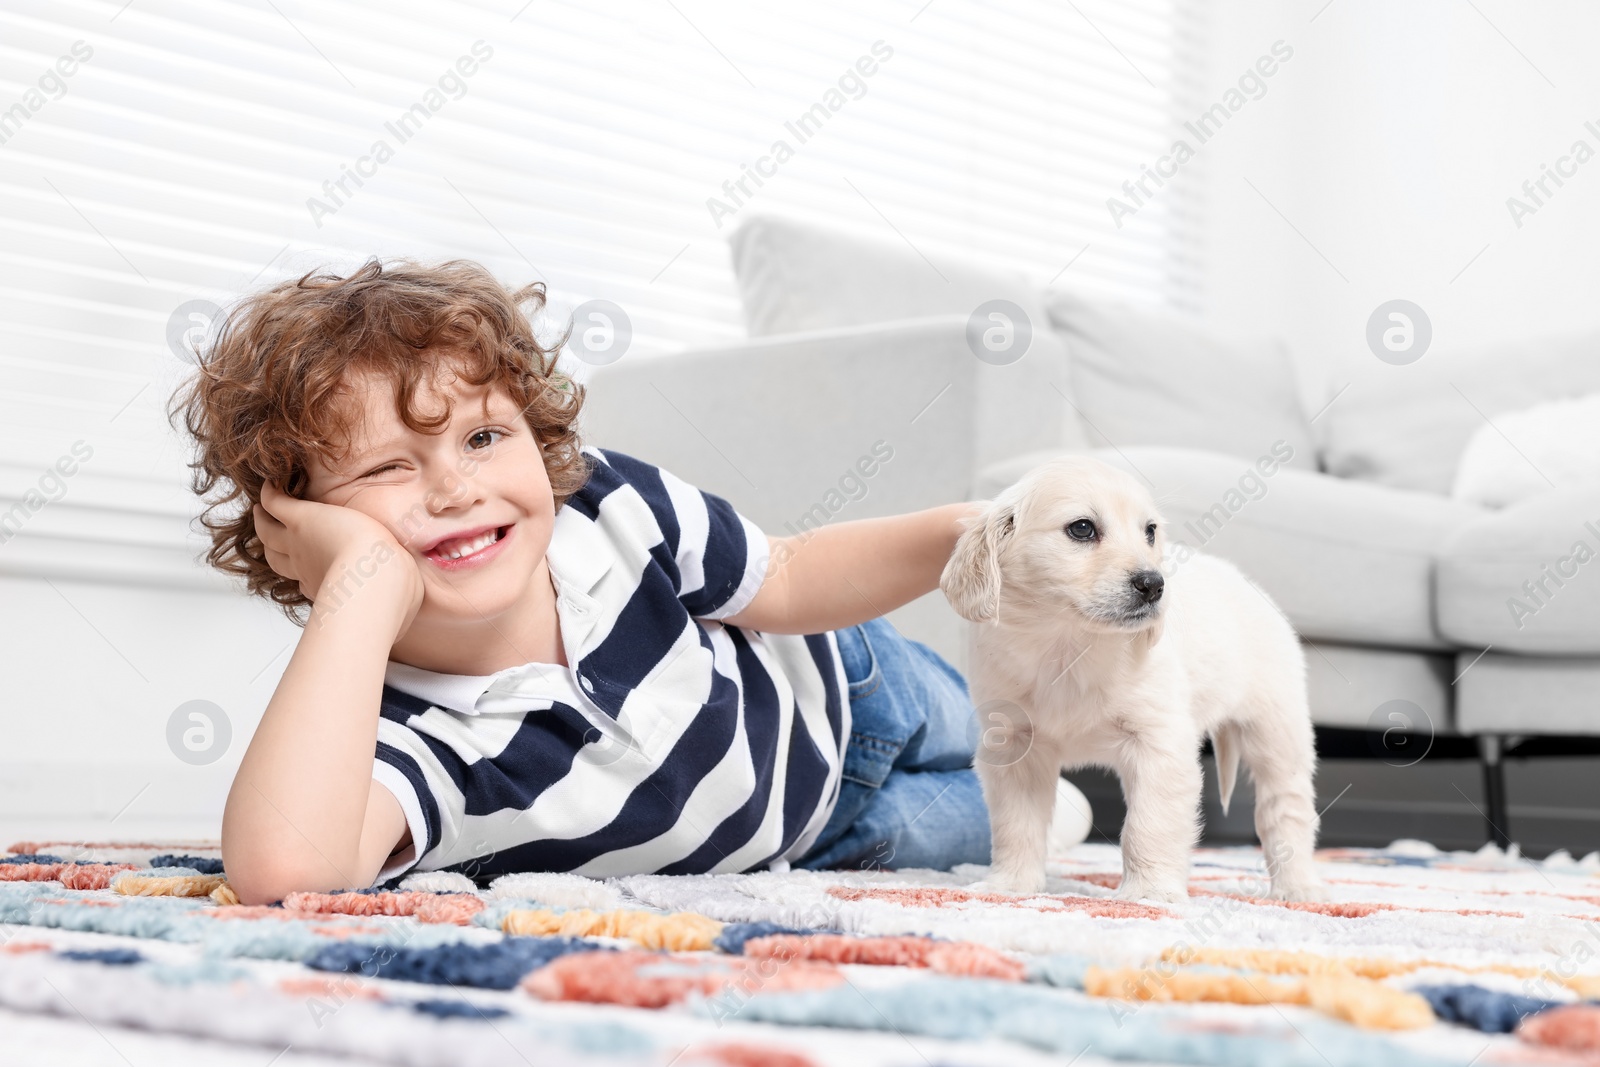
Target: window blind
[(161, 156)]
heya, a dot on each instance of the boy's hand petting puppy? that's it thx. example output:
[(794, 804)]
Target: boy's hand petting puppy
[(313, 543)]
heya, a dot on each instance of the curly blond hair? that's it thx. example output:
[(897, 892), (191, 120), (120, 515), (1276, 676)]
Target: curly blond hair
[(266, 398)]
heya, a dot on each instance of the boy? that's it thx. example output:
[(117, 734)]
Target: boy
[(524, 653)]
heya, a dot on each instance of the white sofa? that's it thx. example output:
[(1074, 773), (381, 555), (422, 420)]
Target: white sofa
[(1337, 505)]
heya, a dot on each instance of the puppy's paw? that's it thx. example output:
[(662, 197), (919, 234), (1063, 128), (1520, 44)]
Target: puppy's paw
[(1001, 882), (1301, 891), (1145, 890)]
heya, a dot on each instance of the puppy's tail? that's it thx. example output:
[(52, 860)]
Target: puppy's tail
[(1225, 746)]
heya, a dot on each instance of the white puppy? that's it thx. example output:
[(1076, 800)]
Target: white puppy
[(1085, 653)]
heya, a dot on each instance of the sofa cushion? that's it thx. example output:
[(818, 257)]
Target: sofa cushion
[(1362, 688), (1147, 376), (796, 276), (1526, 579), (1347, 561), (1406, 426), (1511, 694), (1528, 452)]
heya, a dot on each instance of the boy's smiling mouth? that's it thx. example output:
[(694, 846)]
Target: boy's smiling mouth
[(470, 548)]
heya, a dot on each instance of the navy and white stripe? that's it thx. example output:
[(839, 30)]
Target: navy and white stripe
[(672, 742)]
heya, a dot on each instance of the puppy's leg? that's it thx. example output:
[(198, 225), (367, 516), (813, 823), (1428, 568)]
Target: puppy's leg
[(1021, 797), (1278, 747), (1162, 787)]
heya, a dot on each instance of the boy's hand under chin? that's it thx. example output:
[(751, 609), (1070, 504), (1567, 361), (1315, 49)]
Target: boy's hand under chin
[(310, 542)]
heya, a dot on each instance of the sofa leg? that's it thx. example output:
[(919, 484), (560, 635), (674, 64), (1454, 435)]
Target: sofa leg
[(1494, 787)]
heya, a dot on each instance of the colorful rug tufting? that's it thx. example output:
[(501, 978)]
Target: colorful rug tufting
[(1420, 957)]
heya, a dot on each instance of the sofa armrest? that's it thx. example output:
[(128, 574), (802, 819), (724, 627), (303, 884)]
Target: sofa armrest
[(1515, 578)]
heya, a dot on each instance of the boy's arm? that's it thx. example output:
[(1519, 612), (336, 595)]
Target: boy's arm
[(304, 812), (849, 572)]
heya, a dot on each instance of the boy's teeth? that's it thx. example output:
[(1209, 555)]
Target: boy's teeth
[(457, 549)]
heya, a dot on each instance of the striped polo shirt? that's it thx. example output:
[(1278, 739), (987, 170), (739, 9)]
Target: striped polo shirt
[(670, 743)]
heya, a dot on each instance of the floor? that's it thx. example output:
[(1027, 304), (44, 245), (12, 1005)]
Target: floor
[(56, 1041), (1457, 908), (1554, 804), (1365, 802)]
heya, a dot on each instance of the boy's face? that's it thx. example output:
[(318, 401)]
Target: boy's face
[(472, 503)]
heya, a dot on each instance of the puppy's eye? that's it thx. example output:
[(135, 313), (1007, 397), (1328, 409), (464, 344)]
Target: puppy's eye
[(1082, 530), (1150, 534)]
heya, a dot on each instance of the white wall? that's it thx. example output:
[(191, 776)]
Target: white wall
[(1391, 141), (109, 624), (94, 671)]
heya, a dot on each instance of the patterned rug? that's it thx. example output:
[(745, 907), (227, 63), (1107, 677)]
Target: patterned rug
[(1421, 957)]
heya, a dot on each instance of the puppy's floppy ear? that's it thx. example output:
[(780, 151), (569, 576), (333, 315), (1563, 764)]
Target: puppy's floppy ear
[(971, 579)]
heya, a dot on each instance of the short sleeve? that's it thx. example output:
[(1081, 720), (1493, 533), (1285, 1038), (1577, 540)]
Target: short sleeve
[(398, 765), (721, 556), (388, 776)]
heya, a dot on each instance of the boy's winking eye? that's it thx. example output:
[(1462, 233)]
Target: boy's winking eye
[(493, 411), (494, 433)]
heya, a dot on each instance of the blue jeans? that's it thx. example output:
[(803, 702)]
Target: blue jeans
[(910, 797)]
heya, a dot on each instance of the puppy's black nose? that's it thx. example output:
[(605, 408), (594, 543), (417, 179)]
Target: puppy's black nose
[(1148, 584)]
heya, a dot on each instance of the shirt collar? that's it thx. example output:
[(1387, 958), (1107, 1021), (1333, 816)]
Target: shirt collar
[(577, 561), (453, 692), (514, 689)]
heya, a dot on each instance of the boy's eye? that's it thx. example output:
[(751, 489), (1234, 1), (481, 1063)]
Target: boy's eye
[(380, 470), (491, 435)]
